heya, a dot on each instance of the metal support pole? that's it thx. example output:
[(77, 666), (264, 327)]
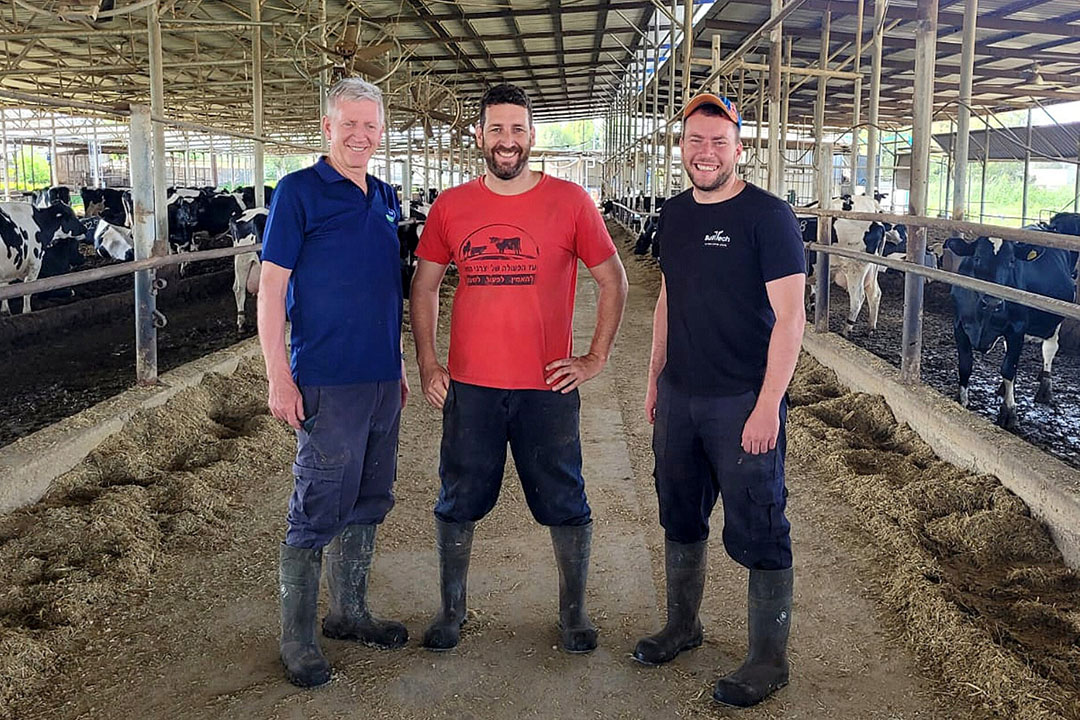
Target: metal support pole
[(656, 110), (1027, 171), (963, 111), (822, 88), (386, 131), (54, 170), (775, 60), (143, 231), (213, 164), (759, 141), (873, 145), (688, 54), (925, 48), (257, 180), (856, 109), (986, 159), (95, 156), (157, 107), (3, 131), (1076, 185), (324, 74), (785, 108), (406, 176), (824, 197), (427, 164)]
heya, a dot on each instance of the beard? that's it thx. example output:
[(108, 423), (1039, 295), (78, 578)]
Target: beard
[(721, 179), (502, 171)]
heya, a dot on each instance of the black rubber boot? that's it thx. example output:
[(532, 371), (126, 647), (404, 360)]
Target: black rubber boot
[(348, 562), (454, 542), (304, 663), (765, 669), (572, 545), (685, 568)]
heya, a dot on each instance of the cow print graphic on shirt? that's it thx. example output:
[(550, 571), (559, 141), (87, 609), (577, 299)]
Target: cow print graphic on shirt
[(498, 254)]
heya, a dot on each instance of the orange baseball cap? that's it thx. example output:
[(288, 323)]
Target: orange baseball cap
[(726, 107)]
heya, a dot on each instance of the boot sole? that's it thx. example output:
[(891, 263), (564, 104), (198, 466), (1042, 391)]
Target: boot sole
[(772, 692), (695, 643)]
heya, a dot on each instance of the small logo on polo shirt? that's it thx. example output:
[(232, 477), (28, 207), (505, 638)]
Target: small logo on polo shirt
[(390, 217), (717, 238)]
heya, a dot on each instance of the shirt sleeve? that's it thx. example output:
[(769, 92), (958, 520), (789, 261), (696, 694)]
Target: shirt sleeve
[(780, 248), (284, 232), (592, 242), (433, 246)]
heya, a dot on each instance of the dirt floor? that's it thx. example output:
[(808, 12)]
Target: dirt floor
[(75, 363), (1053, 428), (144, 585)]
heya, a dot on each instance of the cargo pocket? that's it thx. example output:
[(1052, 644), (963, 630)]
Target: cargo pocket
[(318, 495), (761, 475)]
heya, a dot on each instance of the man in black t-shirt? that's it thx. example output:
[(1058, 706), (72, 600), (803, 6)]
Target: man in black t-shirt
[(726, 335)]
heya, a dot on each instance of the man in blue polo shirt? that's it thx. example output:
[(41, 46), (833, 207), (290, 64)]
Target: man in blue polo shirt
[(330, 260)]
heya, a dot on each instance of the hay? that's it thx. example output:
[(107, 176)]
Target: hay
[(983, 595), (93, 543)]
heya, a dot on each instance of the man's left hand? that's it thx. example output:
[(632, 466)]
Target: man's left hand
[(761, 429), (567, 374)]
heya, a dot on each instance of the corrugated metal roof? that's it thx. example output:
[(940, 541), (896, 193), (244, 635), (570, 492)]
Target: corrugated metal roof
[(1048, 142)]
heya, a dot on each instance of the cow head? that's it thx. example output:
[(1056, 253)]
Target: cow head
[(1066, 223), (57, 221), (113, 242), (848, 202), (984, 318)]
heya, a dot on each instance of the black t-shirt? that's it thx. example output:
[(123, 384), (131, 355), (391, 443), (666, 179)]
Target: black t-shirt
[(716, 260)]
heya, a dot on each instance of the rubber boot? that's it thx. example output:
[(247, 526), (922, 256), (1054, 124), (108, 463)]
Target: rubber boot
[(348, 563), (685, 568), (572, 545), (765, 669), (304, 663), (454, 542)]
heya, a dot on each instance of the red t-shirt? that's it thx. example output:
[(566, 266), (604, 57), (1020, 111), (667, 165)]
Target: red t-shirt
[(517, 259)]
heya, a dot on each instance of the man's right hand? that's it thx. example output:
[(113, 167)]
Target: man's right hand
[(286, 402), (650, 402), (435, 382)]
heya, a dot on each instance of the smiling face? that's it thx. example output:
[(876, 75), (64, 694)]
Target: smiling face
[(353, 130), (710, 150), (505, 140)]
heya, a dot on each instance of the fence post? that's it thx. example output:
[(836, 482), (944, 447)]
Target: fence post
[(145, 232), (824, 197)]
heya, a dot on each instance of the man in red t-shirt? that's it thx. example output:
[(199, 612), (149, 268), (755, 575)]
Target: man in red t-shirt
[(516, 236)]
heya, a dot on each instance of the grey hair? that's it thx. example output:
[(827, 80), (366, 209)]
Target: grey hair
[(353, 89)]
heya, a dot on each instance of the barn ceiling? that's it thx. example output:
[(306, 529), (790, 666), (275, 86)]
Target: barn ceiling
[(434, 57)]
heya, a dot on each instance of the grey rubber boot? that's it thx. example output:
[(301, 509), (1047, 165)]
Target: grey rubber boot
[(299, 570), (348, 563), (765, 669), (454, 542), (685, 569), (573, 544)]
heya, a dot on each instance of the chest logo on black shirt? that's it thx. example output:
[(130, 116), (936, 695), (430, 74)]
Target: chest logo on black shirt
[(717, 238), (498, 255)]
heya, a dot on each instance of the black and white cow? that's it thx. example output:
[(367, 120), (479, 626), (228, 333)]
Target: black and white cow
[(112, 242), (112, 204), (858, 277), (981, 319), (26, 232), (246, 230), (247, 195), (48, 196), (409, 232)]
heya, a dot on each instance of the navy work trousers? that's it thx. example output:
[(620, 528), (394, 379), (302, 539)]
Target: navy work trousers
[(697, 442), (541, 427), (346, 460)]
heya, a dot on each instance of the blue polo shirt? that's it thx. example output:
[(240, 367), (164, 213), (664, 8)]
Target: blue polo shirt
[(344, 298)]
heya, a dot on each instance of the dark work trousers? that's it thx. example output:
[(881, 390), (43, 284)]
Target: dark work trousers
[(542, 429), (697, 442), (346, 460)]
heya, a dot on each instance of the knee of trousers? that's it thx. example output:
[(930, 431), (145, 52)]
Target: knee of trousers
[(316, 507)]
